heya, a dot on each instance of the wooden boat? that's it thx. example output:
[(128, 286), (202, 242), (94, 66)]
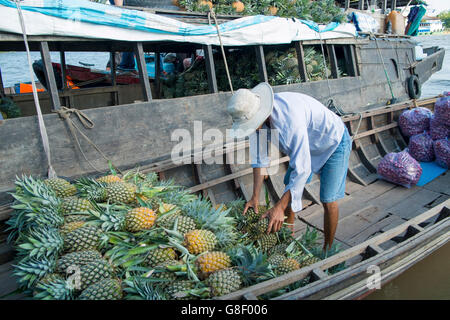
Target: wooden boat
[(380, 223)]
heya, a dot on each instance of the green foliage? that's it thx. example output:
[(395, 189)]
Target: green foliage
[(9, 108), (445, 17)]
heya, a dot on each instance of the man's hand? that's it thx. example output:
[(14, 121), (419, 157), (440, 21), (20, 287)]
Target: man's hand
[(276, 218), (253, 203)]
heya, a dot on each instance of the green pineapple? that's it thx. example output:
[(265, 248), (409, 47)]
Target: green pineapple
[(74, 205), (184, 224), (251, 216), (258, 228), (267, 241), (61, 187), (84, 238), (94, 272), (159, 255), (166, 220), (306, 260), (286, 266), (161, 272), (71, 226), (276, 259), (279, 249), (75, 218), (79, 258), (106, 289), (121, 192), (180, 290), (224, 281), (92, 189), (53, 287)]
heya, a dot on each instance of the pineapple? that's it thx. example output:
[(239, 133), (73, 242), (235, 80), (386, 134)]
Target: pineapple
[(53, 288), (267, 241), (307, 260), (166, 220), (276, 259), (224, 281), (73, 204), (75, 218), (106, 289), (138, 219), (286, 266), (71, 226), (166, 207), (61, 187), (210, 262), (84, 238), (259, 228), (179, 290), (160, 255), (79, 258), (93, 272), (279, 249), (199, 241), (161, 272), (109, 179), (251, 216), (121, 192), (185, 224)]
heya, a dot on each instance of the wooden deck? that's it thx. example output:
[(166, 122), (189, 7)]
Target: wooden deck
[(371, 208)]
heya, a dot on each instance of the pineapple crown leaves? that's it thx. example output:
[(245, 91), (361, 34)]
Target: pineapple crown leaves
[(139, 289), (90, 188), (252, 264), (110, 217), (40, 242), (35, 192), (57, 289), (207, 217), (30, 270)]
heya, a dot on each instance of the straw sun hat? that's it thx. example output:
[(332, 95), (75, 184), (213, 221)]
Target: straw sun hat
[(249, 109)]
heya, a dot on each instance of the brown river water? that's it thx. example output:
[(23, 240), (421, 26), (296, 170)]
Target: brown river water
[(427, 279)]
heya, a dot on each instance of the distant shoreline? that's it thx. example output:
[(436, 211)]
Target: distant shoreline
[(445, 32)]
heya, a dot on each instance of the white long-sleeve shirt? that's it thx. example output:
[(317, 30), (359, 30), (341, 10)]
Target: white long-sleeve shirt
[(308, 133)]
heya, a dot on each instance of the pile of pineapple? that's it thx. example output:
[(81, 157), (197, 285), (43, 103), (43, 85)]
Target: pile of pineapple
[(282, 69), (131, 236)]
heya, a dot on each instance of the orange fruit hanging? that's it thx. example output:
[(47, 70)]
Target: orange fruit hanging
[(238, 6)]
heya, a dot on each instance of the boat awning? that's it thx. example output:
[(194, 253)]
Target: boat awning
[(85, 19)]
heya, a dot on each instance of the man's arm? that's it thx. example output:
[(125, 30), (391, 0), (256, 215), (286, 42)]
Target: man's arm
[(276, 213), (258, 178)]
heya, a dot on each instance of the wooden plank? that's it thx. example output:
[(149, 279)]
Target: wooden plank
[(340, 257), (158, 74), (143, 75), (49, 75), (250, 296), (382, 225), (318, 274), (440, 184), (301, 61), (413, 205), (8, 283), (210, 70), (372, 250), (333, 61), (6, 253), (261, 63), (2, 88), (374, 131)]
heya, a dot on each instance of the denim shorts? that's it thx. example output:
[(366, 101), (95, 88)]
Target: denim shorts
[(333, 173)]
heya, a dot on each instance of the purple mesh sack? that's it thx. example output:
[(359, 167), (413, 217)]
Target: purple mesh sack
[(400, 168), (421, 147), (438, 130), (442, 110), (442, 151), (414, 121)]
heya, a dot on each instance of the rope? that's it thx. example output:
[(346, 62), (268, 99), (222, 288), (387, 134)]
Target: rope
[(213, 15), (51, 173), (384, 68), (325, 65), (65, 113)]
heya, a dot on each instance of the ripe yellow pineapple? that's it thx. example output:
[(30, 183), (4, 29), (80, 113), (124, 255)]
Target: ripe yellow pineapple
[(110, 179), (212, 261), (224, 281), (138, 219), (199, 241)]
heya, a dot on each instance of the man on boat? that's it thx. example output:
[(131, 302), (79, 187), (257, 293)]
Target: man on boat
[(315, 139)]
